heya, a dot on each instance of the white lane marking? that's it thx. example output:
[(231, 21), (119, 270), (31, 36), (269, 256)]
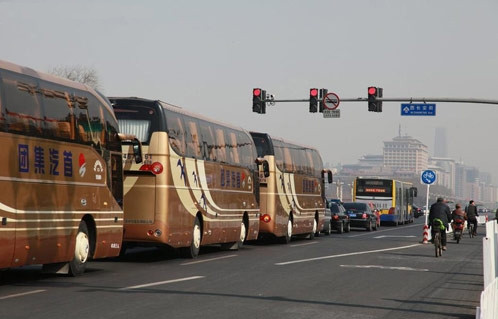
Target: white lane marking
[(298, 245), (381, 231), (393, 236), (206, 260), (22, 294), (162, 282), (385, 267), (344, 255)]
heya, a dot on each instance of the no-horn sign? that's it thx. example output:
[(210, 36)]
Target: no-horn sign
[(331, 101)]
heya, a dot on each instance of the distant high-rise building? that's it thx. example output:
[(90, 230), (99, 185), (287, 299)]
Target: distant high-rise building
[(406, 155), (440, 143)]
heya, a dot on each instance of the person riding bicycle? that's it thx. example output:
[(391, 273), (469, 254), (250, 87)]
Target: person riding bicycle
[(441, 211), (471, 213), (458, 215)]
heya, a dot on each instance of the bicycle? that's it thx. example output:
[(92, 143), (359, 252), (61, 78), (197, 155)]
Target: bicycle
[(437, 228), (471, 229)]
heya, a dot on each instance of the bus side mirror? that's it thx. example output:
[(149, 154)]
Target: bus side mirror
[(137, 150), (329, 175), (136, 145), (265, 165)]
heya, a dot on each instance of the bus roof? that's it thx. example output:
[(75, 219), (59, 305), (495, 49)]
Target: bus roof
[(285, 141), (54, 79), (178, 109)]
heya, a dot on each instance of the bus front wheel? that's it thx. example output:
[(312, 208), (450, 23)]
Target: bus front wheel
[(81, 251)]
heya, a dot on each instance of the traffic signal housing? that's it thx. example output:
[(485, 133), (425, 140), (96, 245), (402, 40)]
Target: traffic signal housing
[(323, 93), (373, 104), (313, 100), (258, 101)]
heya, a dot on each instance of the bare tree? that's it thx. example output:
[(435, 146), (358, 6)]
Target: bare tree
[(78, 73)]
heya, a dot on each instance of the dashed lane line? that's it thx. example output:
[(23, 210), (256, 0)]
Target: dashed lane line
[(22, 294), (158, 283), (344, 255)]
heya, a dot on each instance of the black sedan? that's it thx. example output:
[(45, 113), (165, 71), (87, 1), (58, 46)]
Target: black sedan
[(339, 220), (360, 215)]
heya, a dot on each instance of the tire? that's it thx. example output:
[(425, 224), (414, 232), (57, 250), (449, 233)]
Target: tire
[(81, 251), (288, 234), (348, 228), (243, 234), (458, 240), (340, 229), (369, 227), (313, 231), (329, 229), (195, 244)]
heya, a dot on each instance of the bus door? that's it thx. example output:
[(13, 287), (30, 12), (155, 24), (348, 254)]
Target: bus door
[(115, 169)]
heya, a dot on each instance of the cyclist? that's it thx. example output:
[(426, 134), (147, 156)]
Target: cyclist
[(471, 212), (457, 215), (440, 210)]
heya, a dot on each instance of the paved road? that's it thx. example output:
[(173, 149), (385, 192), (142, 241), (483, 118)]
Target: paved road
[(380, 274)]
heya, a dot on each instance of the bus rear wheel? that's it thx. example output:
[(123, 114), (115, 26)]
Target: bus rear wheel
[(195, 245), (288, 234), (243, 234), (81, 251)]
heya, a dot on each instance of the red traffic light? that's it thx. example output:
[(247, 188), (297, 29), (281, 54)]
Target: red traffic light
[(313, 92), (372, 90), (256, 92)]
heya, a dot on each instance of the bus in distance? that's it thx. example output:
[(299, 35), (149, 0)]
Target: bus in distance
[(292, 197), (61, 173), (393, 198), (198, 184)]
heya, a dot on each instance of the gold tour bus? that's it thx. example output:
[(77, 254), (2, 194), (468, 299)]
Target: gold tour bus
[(198, 184), (292, 197), (61, 174)]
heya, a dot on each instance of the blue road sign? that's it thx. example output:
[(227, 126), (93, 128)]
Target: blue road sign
[(418, 109), (428, 177)]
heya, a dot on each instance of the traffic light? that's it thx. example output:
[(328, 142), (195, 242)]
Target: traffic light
[(313, 100), (323, 92), (258, 101), (373, 94)]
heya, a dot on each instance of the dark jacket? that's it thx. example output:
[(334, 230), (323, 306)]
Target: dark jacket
[(471, 211), (442, 211)]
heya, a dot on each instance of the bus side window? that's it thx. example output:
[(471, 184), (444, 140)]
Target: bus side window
[(247, 150), (57, 112), (221, 146), (309, 161), (288, 164), (208, 141), (234, 147), (2, 108), (279, 154), (22, 104), (317, 163), (176, 132), (193, 143)]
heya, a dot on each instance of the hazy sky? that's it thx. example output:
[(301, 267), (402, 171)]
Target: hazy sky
[(207, 56)]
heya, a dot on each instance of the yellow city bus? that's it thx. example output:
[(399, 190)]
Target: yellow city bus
[(393, 198), (292, 197), (61, 173), (198, 184)]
